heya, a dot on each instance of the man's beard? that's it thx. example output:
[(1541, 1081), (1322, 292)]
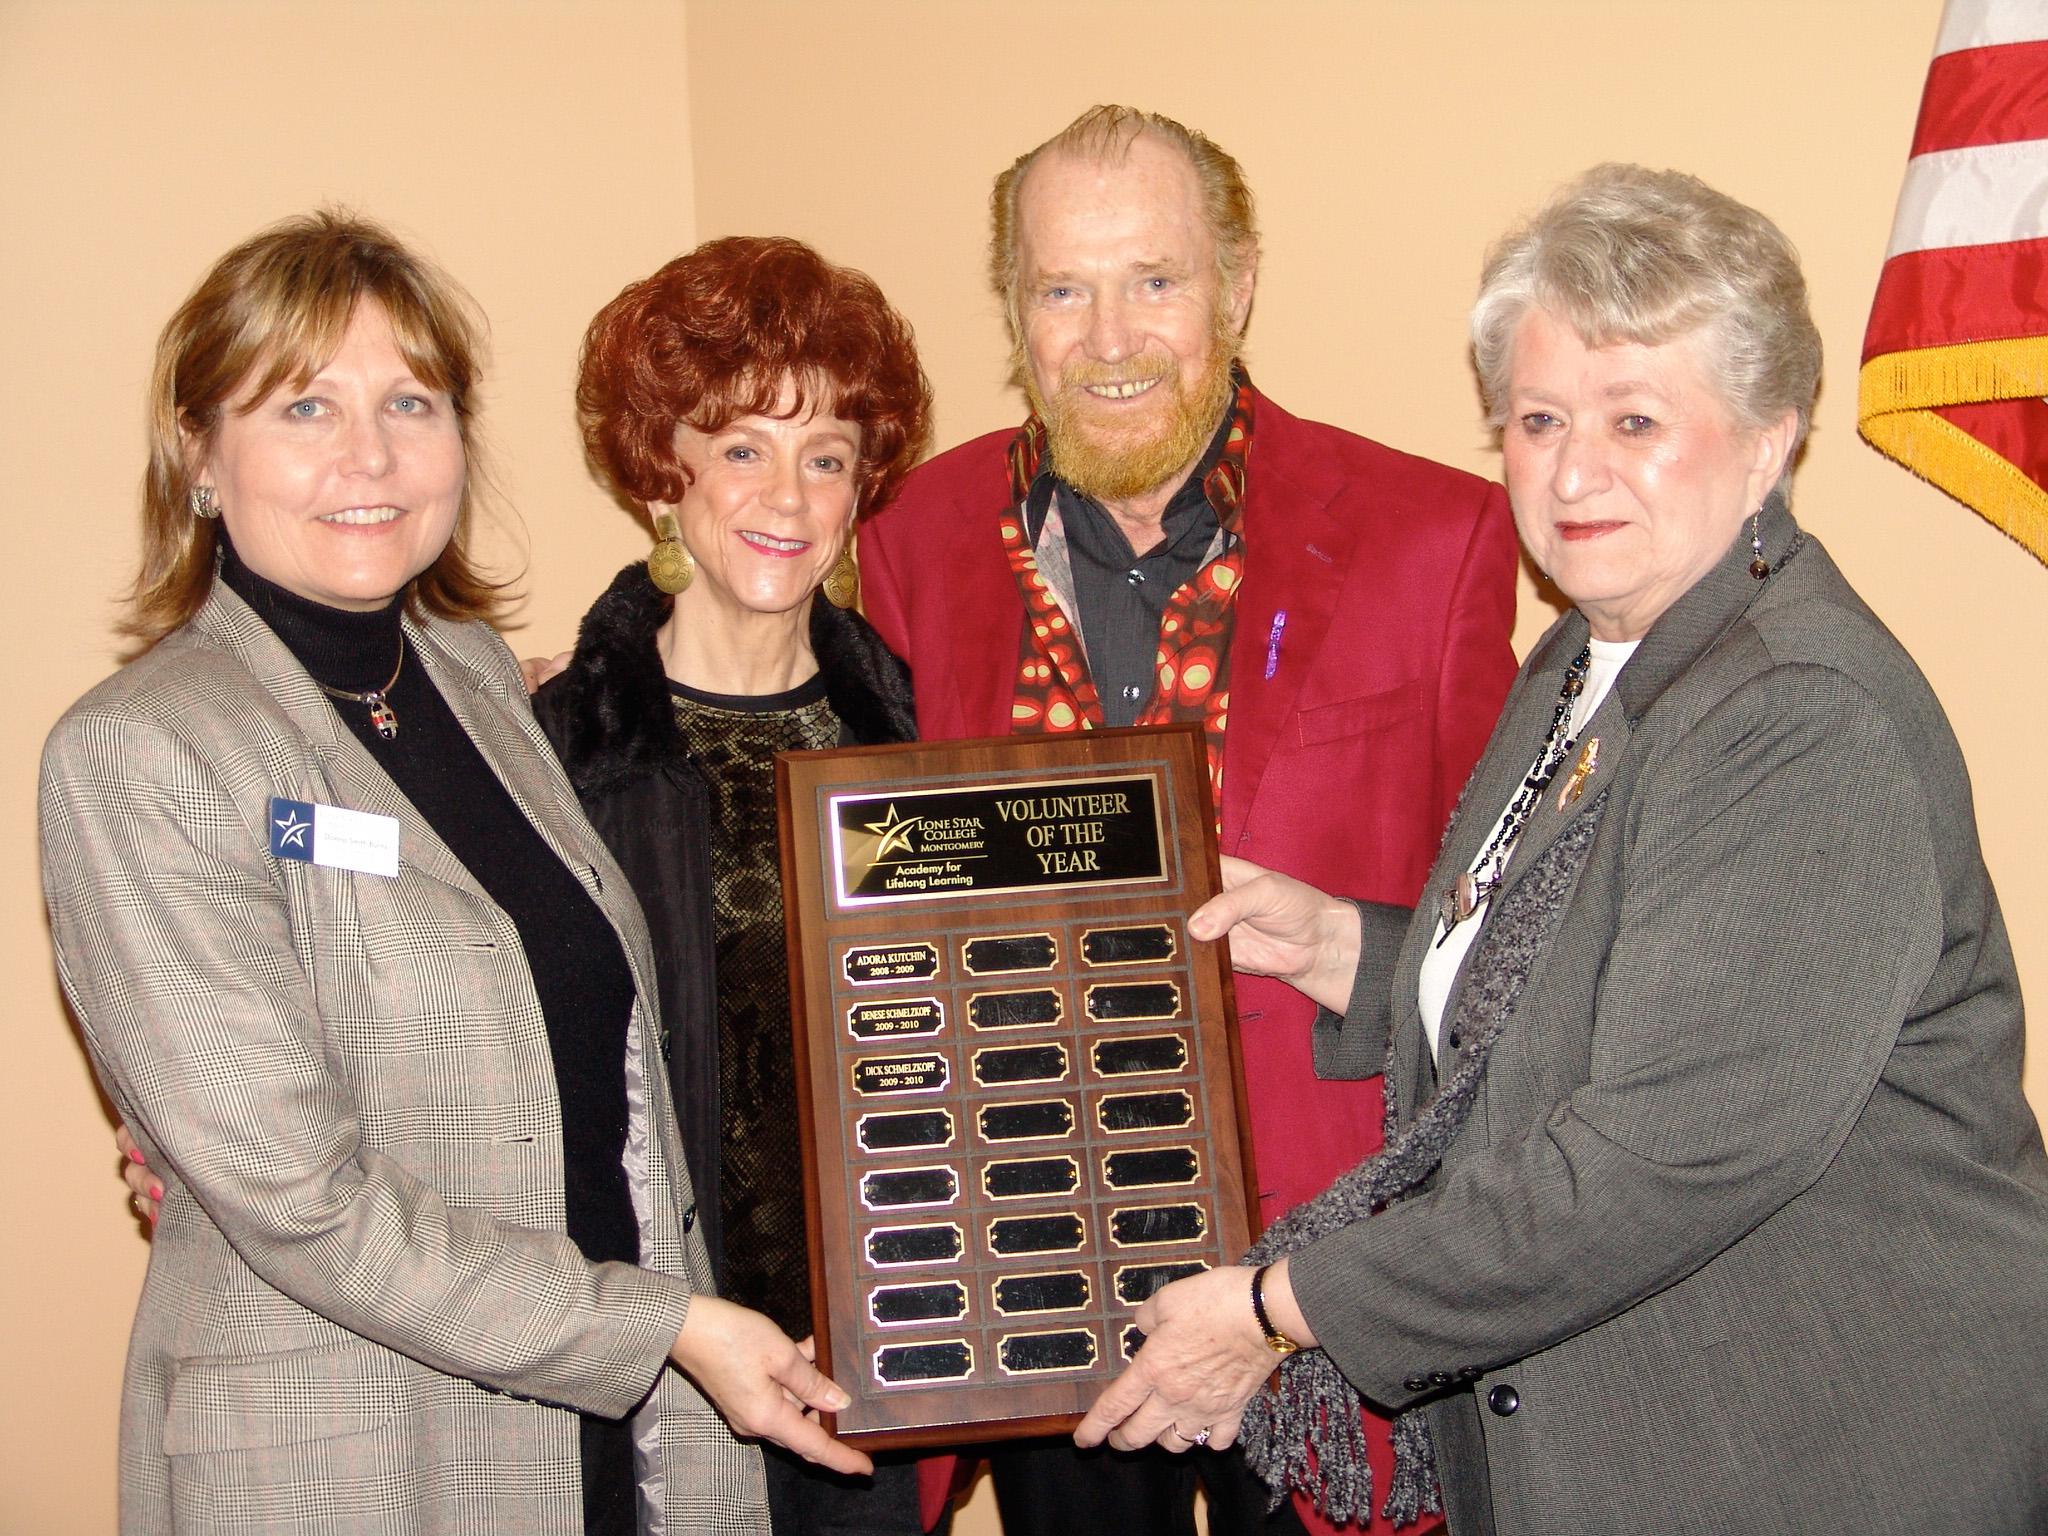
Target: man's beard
[(1114, 465)]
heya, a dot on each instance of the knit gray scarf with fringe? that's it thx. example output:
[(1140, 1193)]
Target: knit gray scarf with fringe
[(1305, 1434)]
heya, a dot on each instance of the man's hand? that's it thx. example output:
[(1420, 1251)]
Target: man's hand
[(539, 669), (1281, 927), (148, 1188), (762, 1381), (1204, 1358)]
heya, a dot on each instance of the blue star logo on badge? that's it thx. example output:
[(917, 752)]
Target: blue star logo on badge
[(895, 834), (291, 830)]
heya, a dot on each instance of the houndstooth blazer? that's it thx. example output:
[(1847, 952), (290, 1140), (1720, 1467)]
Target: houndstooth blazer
[(362, 1314)]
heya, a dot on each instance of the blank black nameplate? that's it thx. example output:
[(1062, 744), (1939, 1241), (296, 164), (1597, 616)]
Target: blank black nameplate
[(875, 965), (1070, 1349), (1065, 1290), (1152, 1167), (1149, 943), (907, 1187), (1061, 1233), (896, 1017), (1135, 1283), (1167, 1111), (1108, 1002), (1036, 1120), (893, 1247), (900, 1365), (1029, 1177), (1144, 1225), (1016, 1010), (1132, 1339), (1010, 953), (998, 1065), (899, 1133), (1136, 1055), (876, 1076), (892, 1306)]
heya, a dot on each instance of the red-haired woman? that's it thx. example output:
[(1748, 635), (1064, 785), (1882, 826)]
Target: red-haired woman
[(754, 400)]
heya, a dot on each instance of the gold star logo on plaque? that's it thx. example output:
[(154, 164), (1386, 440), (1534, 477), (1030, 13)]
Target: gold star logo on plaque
[(895, 834)]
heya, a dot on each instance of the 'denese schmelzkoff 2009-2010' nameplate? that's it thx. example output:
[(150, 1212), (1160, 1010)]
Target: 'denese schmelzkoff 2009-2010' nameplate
[(1053, 835)]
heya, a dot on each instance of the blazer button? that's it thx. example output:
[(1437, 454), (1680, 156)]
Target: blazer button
[(1503, 1399), (1470, 1373), (1441, 1379), (1455, 1040), (1417, 1383)]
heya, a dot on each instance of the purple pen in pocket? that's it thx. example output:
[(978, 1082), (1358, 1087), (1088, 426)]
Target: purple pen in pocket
[(1273, 644)]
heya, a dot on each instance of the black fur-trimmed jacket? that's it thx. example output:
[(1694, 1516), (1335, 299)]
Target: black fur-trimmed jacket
[(612, 721)]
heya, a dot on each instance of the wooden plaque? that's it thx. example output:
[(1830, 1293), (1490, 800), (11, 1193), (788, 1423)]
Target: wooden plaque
[(1021, 1097)]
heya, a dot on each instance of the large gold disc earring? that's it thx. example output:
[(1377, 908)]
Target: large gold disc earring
[(842, 587), (670, 566)]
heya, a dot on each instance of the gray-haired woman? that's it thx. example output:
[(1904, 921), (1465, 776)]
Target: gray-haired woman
[(1712, 1201)]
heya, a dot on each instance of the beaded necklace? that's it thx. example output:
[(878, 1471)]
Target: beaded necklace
[(1474, 888)]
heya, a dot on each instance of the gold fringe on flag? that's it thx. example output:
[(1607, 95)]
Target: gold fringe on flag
[(1895, 411)]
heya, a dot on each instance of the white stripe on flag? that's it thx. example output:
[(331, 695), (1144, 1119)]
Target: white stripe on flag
[(1976, 196), (1987, 23)]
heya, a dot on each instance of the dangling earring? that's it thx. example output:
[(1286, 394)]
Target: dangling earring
[(670, 566), (1759, 567), (842, 587), (203, 503)]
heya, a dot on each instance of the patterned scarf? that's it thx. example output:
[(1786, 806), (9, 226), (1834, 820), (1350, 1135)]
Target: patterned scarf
[(1304, 1435), (1054, 689)]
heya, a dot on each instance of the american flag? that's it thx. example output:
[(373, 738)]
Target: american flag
[(1955, 362)]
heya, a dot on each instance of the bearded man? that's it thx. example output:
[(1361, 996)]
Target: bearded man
[(1334, 613)]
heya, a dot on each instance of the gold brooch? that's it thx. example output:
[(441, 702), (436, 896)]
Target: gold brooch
[(1575, 785)]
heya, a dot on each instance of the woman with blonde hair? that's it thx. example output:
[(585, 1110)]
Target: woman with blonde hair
[(374, 998)]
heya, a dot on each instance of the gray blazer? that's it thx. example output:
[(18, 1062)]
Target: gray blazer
[(363, 1313), (1748, 1227)]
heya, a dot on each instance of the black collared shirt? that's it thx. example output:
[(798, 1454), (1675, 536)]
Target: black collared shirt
[(1122, 595)]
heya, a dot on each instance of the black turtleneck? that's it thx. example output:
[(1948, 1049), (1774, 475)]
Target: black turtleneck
[(579, 968)]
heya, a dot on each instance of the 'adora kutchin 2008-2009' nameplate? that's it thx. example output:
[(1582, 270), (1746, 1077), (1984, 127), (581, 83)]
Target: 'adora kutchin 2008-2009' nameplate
[(985, 840)]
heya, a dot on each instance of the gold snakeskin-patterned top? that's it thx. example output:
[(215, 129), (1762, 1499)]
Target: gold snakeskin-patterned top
[(761, 1191)]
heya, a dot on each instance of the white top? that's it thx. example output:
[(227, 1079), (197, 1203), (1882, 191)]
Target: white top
[(1446, 955)]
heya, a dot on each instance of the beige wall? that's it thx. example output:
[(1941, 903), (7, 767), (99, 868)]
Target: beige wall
[(548, 150)]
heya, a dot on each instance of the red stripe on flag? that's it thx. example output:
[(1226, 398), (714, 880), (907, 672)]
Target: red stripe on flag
[(1944, 297), (2015, 430), (1984, 96)]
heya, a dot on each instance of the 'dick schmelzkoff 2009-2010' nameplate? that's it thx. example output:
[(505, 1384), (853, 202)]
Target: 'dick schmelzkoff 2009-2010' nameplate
[(1052, 834)]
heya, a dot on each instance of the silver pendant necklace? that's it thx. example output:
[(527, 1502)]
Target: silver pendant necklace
[(1472, 889), (382, 715)]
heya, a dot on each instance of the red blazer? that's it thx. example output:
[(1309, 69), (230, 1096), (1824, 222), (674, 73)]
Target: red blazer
[(1397, 577)]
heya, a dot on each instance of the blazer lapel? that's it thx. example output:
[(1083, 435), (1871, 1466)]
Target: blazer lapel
[(985, 618), (1295, 559)]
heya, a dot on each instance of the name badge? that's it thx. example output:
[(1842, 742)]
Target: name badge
[(334, 837)]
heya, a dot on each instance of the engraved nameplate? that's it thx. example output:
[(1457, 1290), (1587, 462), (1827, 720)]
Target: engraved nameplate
[(897, 1017), (875, 965), (1020, 1064), (1015, 1010), (1010, 1235), (899, 1365), (1026, 1178), (909, 1187), (1128, 946), (899, 1133), (892, 1306), (1146, 1111), (1142, 1225), (1033, 1121), (1051, 834), (1135, 1283), (1010, 953), (1110, 1001), (1020, 1295), (1070, 1349), (892, 1247), (1138, 1054), (879, 1075), (1152, 1167)]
